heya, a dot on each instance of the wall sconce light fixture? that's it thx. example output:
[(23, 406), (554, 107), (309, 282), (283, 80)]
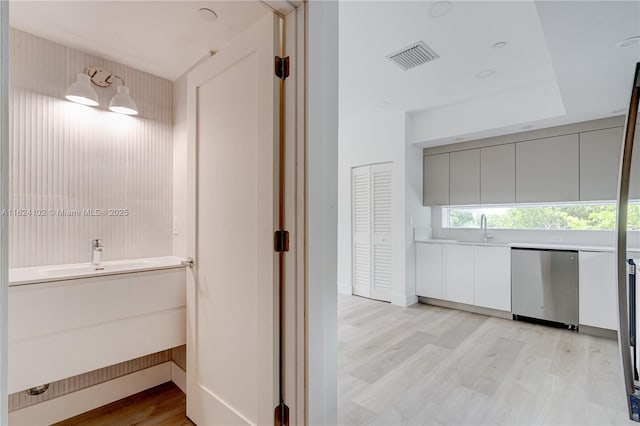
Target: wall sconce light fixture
[(81, 91)]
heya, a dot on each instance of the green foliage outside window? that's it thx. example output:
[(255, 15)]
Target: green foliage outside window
[(568, 217)]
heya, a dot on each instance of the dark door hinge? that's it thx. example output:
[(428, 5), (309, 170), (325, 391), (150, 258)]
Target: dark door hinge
[(282, 67), (282, 415), (281, 241)]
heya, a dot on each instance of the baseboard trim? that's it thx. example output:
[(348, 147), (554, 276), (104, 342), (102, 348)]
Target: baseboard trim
[(344, 288), (598, 332), (179, 377), (464, 307), (72, 404), (404, 300)]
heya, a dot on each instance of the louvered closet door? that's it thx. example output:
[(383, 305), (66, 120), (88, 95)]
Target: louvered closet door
[(361, 228), (381, 231)]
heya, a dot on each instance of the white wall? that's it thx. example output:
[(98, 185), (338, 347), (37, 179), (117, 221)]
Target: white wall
[(536, 101), (69, 156), (368, 137), (322, 160), (416, 216), (180, 125)]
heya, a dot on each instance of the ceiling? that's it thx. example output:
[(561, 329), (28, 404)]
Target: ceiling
[(561, 64), (164, 38)]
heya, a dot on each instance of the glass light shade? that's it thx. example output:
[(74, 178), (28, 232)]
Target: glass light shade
[(122, 102), (81, 91)]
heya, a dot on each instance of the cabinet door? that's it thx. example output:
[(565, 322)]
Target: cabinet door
[(361, 231), (599, 164), (457, 273), (547, 169), (492, 277), (498, 174), (598, 290), (381, 206), (429, 270), (436, 180), (464, 177)]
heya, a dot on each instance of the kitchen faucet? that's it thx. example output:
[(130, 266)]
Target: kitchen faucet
[(96, 251), (483, 227)]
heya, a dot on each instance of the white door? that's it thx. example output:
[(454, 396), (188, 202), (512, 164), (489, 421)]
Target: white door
[(361, 234), (492, 277), (457, 273), (232, 316), (381, 231), (597, 290), (429, 270), (371, 231)]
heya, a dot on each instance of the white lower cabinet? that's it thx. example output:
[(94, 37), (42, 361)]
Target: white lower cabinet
[(62, 329), (492, 277), (598, 290), (429, 270), (463, 273), (457, 273)]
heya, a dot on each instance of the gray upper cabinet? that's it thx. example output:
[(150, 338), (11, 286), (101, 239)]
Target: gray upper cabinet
[(464, 177), (599, 163), (498, 174), (436, 180), (548, 169)]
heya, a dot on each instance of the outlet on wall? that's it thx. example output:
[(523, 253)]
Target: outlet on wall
[(442, 234), (556, 239), (175, 225)]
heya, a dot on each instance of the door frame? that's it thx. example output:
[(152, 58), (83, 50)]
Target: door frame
[(321, 133), (293, 30), (4, 204)]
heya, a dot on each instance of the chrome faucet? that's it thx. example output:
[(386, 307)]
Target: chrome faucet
[(96, 251), (483, 227)]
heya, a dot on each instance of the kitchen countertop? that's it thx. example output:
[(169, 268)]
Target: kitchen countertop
[(548, 246)]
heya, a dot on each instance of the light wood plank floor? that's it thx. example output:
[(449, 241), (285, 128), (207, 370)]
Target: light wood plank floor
[(162, 405), (426, 365)]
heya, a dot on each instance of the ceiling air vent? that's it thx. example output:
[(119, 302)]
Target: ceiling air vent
[(410, 57)]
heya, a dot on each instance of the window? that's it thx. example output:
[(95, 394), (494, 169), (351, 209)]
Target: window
[(554, 217)]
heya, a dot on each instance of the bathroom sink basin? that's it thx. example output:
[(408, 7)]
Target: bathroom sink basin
[(51, 273), (87, 268), (67, 270)]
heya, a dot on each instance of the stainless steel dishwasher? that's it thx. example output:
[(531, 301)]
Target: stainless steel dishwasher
[(544, 285)]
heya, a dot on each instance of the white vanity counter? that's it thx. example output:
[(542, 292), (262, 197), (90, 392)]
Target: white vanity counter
[(66, 320), (52, 273)]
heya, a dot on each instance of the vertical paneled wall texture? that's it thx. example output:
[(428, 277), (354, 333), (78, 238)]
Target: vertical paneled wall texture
[(67, 157)]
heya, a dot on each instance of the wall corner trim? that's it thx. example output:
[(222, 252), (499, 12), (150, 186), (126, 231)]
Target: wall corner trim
[(404, 300)]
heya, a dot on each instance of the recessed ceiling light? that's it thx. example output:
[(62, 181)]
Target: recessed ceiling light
[(618, 111), (207, 14), (440, 8), (499, 45), (485, 73), (528, 126), (628, 42)]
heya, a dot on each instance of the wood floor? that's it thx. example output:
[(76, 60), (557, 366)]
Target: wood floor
[(162, 405), (426, 365)]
